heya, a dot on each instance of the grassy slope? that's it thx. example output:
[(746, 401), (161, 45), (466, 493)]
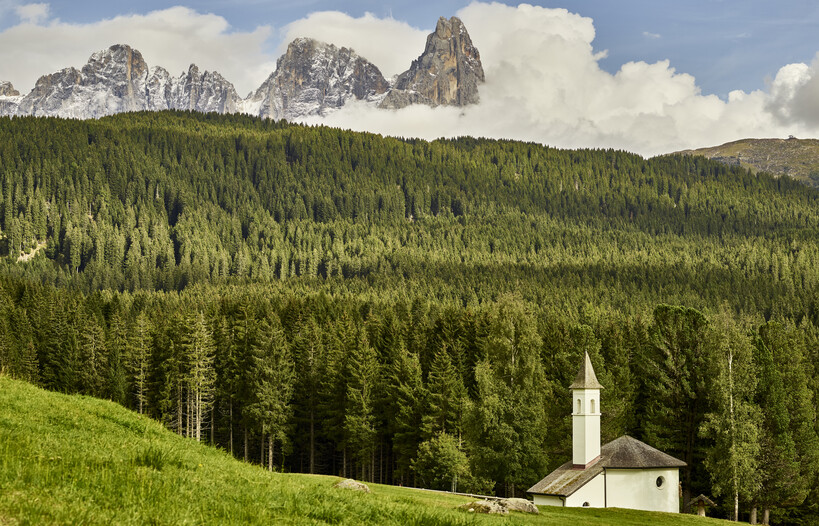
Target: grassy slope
[(80, 460), (798, 158)]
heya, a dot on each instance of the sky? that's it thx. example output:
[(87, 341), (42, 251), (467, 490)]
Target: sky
[(649, 76)]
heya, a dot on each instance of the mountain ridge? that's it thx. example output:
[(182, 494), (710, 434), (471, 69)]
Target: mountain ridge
[(311, 78), (796, 158)]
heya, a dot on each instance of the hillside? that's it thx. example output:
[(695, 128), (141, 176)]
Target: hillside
[(336, 302), (796, 158), (80, 460)]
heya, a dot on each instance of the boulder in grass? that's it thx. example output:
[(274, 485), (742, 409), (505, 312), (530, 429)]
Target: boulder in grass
[(521, 505), (353, 485), (485, 506)]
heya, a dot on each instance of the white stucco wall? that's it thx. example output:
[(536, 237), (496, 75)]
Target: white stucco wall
[(637, 489), (547, 500), (593, 493), (585, 425)]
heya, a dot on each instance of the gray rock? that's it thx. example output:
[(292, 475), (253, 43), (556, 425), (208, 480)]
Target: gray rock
[(493, 507), (353, 485), (447, 73), (111, 82), (9, 99), (520, 505), (314, 78), (193, 90), (7, 90), (118, 80)]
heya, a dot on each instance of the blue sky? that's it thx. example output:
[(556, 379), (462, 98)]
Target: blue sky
[(725, 44)]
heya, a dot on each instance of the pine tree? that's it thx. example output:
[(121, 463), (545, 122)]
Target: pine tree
[(406, 403), (310, 353), (733, 459), (674, 387), (359, 421), (199, 355), (138, 360), (117, 340), (789, 442), (445, 398), (272, 383)]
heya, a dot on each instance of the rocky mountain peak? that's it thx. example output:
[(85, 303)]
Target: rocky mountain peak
[(315, 78), (448, 72), (121, 70), (311, 78), (7, 90)]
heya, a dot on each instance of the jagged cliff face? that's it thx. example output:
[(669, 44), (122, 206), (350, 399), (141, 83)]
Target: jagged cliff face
[(111, 82), (117, 80), (311, 78), (447, 73), (9, 98), (205, 92), (314, 78), (7, 90)]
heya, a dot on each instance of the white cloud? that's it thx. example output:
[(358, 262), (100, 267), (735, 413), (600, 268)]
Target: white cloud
[(649, 34), (389, 44), (544, 83), (794, 94), (172, 38), (32, 13)]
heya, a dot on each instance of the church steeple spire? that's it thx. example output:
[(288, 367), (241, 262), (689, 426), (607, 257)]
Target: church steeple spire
[(586, 416), (586, 379)]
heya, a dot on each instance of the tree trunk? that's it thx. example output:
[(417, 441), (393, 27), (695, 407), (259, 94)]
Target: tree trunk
[(766, 516), (179, 428), (344, 462), (197, 402), (753, 515), (230, 411), (261, 453), (245, 431), (736, 506), (733, 431), (312, 442), (270, 453)]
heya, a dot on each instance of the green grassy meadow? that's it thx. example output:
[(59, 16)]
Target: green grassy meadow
[(80, 460)]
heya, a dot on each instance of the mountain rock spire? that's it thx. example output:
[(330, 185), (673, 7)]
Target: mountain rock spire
[(448, 72)]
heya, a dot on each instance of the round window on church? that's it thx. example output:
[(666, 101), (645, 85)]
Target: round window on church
[(660, 482)]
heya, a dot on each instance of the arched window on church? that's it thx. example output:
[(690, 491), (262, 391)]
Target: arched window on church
[(592, 406), (579, 407)]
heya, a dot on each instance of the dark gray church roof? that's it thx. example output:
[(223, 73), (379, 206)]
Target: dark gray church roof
[(622, 453), (586, 379)]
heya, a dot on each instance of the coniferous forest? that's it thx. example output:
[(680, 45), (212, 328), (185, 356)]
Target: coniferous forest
[(413, 312)]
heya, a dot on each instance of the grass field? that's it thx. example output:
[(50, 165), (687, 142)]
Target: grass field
[(80, 460)]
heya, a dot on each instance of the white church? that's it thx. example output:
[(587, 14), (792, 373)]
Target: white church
[(625, 473)]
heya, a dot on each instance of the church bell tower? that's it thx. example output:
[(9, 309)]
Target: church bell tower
[(585, 416)]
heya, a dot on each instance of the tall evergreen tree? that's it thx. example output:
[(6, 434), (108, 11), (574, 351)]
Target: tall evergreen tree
[(733, 460)]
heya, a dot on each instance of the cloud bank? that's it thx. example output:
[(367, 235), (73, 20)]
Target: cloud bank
[(544, 84), (544, 80), (172, 38)]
